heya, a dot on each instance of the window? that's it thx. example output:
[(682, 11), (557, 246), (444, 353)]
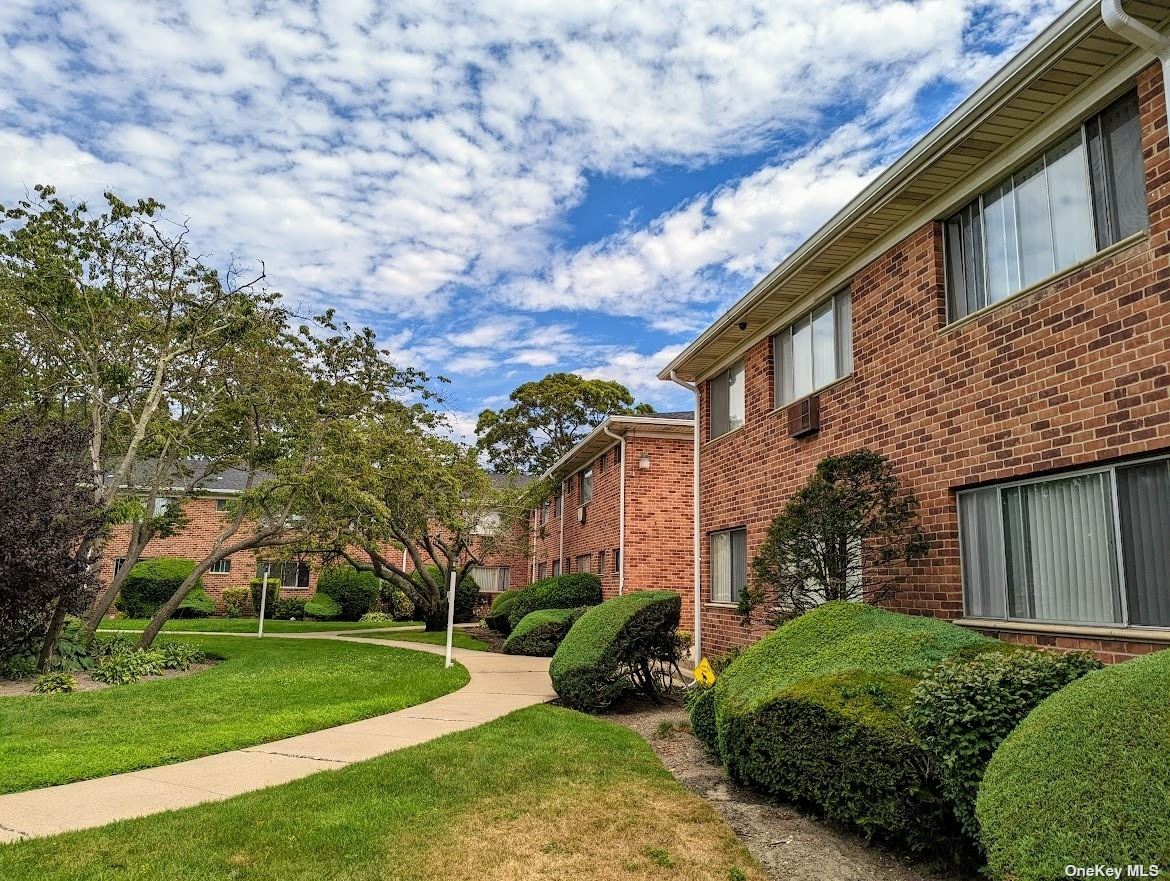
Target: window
[(545, 510), (487, 524), (1087, 548), (221, 567), (561, 500), (292, 574), (556, 569), (600, 570), (599, 465), (491, 579), (815, 351), (1082, 195), (617, 560), (728, 565), (162, 505), (119, 562), (617, 456), (587, 486), (727, 401), (221, 506), (584, 562), (541, 570)]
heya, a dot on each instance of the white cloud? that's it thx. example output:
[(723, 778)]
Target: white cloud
[(638, 372)]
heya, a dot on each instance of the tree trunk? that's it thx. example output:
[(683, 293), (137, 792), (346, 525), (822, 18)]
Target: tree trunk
[(436, 620), (105, 598), (167, 610), (49, 646)]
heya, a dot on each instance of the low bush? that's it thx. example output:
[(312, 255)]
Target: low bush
[(72, 652), (396, 603), (540, 632), (55, 683), (466, 595), (700, 701), (626, 643), (125, 668), (256, 587), (965, 708), (323, 607), (1084, 779), (106, 646), (289, 608), (235, 601), (354, 592), (197, 604), (179, 655), (816, 712), (497, 618), (151, 583), (559, 592), (376, 617)]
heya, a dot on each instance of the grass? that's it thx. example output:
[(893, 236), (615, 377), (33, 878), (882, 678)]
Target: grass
[(262, 690), (543, 793), (250, 625), (459, 639)]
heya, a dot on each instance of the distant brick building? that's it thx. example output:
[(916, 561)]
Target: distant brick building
[(993, 314), (580, 529)]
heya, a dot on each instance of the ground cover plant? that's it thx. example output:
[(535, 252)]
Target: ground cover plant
[(558, 592), (259, 690), (592, 801), (817, 712), (627, 643), (540, 632), (1084, 779)]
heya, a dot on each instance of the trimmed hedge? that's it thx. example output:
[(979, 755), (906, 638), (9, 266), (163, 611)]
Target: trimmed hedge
[(966, 707), (323, 607), (559, 592), (151, 583), (497, 616), (256, 585), (540, 632), (816, 712), (595, 664), (701, 709), (354, 592), (1085, 778), (197, 604)]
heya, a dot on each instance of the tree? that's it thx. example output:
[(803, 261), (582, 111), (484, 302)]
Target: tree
[(47, 512), (114, 321), (848, 534), (548, 418)]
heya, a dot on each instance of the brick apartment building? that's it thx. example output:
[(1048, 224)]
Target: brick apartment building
[(623, 507), (993, 314), (205, 512)]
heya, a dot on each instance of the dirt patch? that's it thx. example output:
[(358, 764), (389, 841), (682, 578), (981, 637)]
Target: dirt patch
[(494, 640), (787, 843), (85, 682)]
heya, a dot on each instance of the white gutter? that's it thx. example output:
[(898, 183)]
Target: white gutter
[(698, 650), (621, 439), (1141, 35)]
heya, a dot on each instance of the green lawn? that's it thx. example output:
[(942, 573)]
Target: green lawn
[(459, 639), (543, 793), (249, 625), (263, 690)]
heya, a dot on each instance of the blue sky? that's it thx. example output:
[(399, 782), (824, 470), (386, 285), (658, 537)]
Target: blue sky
[(501, 189)]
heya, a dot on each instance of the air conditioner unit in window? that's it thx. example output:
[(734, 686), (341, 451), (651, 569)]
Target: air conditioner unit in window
[(804, 417), (581, 514)]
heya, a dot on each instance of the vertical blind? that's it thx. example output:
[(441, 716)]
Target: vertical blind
[(815, 350), (727, 400), (492, 579), (728, 565), (1090, 548)]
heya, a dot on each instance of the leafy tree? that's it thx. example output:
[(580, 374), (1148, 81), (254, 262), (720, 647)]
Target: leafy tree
[(843, 536), (547, 418), (47, 512)]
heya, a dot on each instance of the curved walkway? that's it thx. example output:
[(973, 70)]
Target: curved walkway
[(499, 684)]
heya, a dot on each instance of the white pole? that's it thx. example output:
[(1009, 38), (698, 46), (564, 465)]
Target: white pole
[(263, 599), (450, 616)]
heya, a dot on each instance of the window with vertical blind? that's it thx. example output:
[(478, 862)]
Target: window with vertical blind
[(728, 565), (541, 571), (491, 579), (587, 486), (1091, 547), (815, 350), (584, 562), (727, 400), (1080, 196)]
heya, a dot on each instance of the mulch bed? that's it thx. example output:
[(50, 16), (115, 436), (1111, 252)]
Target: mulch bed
[(85, 682)]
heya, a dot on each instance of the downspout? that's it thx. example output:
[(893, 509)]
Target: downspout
[(698, 651), (621, 439), (1141, 35), (561, 517)]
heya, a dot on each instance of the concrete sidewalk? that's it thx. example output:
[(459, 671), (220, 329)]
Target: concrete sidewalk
[(499, 684)]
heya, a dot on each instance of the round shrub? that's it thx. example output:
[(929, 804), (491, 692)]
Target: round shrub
[(55, 683), (498, 616), (323, 607), (1085, 778), (816, 712), (540, 632), (151, 583), (396, 603), (197, 604), (288, 608), (558, 592), (377, 617), (235, 601), (701, 709), (965, 708), (354, 592), (616, 647)]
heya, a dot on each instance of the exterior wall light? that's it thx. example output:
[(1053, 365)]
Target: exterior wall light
[(644, 462)]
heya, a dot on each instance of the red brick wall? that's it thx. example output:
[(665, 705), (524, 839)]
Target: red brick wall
[(659, 537), (1067, 375)]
